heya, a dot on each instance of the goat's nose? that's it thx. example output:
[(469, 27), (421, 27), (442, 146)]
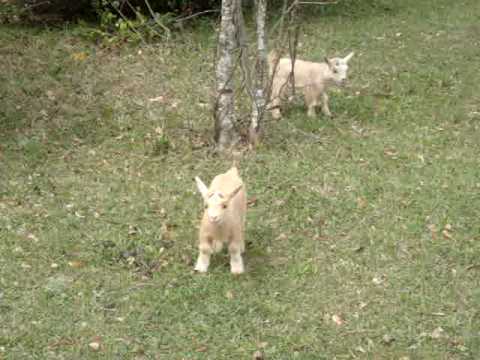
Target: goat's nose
[(214, 218)]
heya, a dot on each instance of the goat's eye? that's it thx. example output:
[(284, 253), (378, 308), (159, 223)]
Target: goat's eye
[(224, 206), (335, 71)]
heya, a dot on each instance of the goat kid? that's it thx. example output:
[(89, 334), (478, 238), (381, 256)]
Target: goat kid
[(312, 78), (223, 220)]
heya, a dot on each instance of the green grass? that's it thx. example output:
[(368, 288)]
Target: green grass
[(371, 216)]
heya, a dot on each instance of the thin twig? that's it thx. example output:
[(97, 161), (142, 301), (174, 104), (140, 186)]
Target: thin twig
[(155, 17), (318, 2), (28, 7), (194, 15), (128, 23)]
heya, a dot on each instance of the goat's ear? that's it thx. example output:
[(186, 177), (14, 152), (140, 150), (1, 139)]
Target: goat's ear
[(348, 57), (234, 192), (202, 188)]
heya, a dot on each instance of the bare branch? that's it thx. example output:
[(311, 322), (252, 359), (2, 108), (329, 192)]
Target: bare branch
[(179, 19), (127, 21), (155, 18), (318, 2)]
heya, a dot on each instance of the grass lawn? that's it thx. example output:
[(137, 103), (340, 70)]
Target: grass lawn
[(363, 231)]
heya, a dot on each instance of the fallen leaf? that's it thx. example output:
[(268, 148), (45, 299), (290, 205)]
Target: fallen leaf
[(76, 264), (132, 230), (252, 201), (80, 56), (362, 305), (229, 295), (390, 152), (282, 236), (378, 280), (361, 202), (446, 234), (361, 349), (157, 99), (32, 237), (437, 333), (388, 339), (202, 349), (337, 319), (50, 95), (359, 248), (94, 345)]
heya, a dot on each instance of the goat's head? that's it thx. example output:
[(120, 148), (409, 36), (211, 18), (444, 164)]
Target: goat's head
[(339, 68), (216, 203)]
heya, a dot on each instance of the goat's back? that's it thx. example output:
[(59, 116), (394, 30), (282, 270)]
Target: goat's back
[(306, 72)]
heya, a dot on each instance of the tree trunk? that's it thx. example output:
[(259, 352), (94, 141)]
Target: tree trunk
[(259, 92), (226, 134)]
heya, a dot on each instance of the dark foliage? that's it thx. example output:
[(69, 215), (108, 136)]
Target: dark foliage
[(68, 9)]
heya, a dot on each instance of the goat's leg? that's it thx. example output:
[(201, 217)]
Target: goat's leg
[(203, 261), (276, 114), (325, 108), (310, 100), (275, 100), (242, 239), (236, 261)]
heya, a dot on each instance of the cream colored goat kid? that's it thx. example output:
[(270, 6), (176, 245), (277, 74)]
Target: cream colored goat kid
[(223, 220), (312, 78)]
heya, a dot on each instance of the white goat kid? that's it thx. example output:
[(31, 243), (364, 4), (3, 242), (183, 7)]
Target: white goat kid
[(223, 220), (312, 78)]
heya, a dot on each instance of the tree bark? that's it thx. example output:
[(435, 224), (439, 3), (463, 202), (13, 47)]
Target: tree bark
[(226, 134), (259, 92)]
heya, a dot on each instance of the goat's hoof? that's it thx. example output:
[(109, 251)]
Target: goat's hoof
[(237, 270), (200, 269)]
